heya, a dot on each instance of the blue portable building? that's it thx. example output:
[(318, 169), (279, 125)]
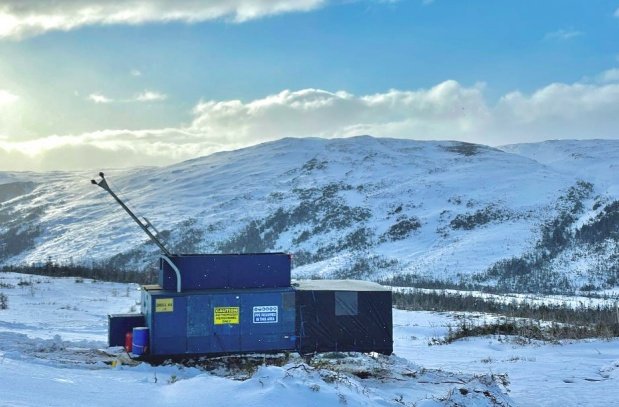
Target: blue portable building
[(219, 321), (231, 304)]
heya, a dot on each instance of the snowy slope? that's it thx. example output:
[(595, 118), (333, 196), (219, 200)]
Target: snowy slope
[(591, 259), (592, 160), (363, 207)]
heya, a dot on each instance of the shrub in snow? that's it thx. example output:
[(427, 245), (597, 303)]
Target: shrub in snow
[(470, 221), (403, 228), (4, 301)]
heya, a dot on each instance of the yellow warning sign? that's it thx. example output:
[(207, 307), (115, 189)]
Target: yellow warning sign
[(226, 315), (164, 305)]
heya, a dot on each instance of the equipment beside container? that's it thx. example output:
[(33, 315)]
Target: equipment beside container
[(121, 324), (140, 341)]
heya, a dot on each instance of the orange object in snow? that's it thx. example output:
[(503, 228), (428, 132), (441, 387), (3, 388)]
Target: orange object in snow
[(129, 341)]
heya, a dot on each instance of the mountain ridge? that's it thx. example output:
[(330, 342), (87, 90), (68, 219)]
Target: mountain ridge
[(360, 207)]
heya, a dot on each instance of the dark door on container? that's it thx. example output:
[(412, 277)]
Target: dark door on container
[(169, 325), (199, 324), (226, 313)]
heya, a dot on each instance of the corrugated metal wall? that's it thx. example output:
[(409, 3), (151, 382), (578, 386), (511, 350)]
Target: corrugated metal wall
[(344, 321), (221, 321)]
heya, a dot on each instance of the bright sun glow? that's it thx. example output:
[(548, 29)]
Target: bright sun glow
[(7, 97)]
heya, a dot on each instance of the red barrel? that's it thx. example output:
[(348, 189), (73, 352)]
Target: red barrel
[(129, 341)]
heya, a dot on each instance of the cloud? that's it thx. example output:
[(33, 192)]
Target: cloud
[(99, 98), (7, 97), (150, 96), (560, 111), (448, 110), (145, 96), (563, 35), (19, 18), (616, 13), (438, 112), (10, 114), (104, 149), (610, 75), (445, 111), (135, 72)]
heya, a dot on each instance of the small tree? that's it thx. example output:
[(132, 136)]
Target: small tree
[(4, 301)]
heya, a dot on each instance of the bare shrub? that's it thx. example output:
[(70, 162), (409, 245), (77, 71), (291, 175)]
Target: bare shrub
[(566, 322)]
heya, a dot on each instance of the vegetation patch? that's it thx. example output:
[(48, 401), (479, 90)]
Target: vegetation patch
[(189, 237), (465, 149), (12, 190), (314, 164), (17, 239), (319, 211), (415, 281), (604, 226), (140, 257), (557, 233), (19, 228), (301, 257), (248, 240), (532, 272), (565, 322), (363, 267), (402, 228), (528, 330), (97, 271), (470, 221)]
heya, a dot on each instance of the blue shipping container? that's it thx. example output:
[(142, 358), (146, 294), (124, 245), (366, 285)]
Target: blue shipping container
[(210, 271), (220, 321)]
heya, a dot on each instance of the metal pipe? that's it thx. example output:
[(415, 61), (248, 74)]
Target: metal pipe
[(103, 184), (176, 270)]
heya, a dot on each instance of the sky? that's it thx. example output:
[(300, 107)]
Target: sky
[(89, 84)]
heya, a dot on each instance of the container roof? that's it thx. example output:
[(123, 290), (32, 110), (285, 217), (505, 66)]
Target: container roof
[(156, 289), (338, 285)]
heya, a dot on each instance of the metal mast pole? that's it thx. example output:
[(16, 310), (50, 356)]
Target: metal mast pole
[(103, 184)]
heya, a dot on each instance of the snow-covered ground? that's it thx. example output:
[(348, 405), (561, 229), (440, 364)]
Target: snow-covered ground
[(52, 334), (575, 373)]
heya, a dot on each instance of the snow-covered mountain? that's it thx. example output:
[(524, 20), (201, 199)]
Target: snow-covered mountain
[(522, 217)]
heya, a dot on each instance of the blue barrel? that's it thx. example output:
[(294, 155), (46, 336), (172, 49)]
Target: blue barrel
[(140, 340)]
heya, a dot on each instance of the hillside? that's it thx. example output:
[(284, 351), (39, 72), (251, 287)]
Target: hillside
[(530, 217)]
